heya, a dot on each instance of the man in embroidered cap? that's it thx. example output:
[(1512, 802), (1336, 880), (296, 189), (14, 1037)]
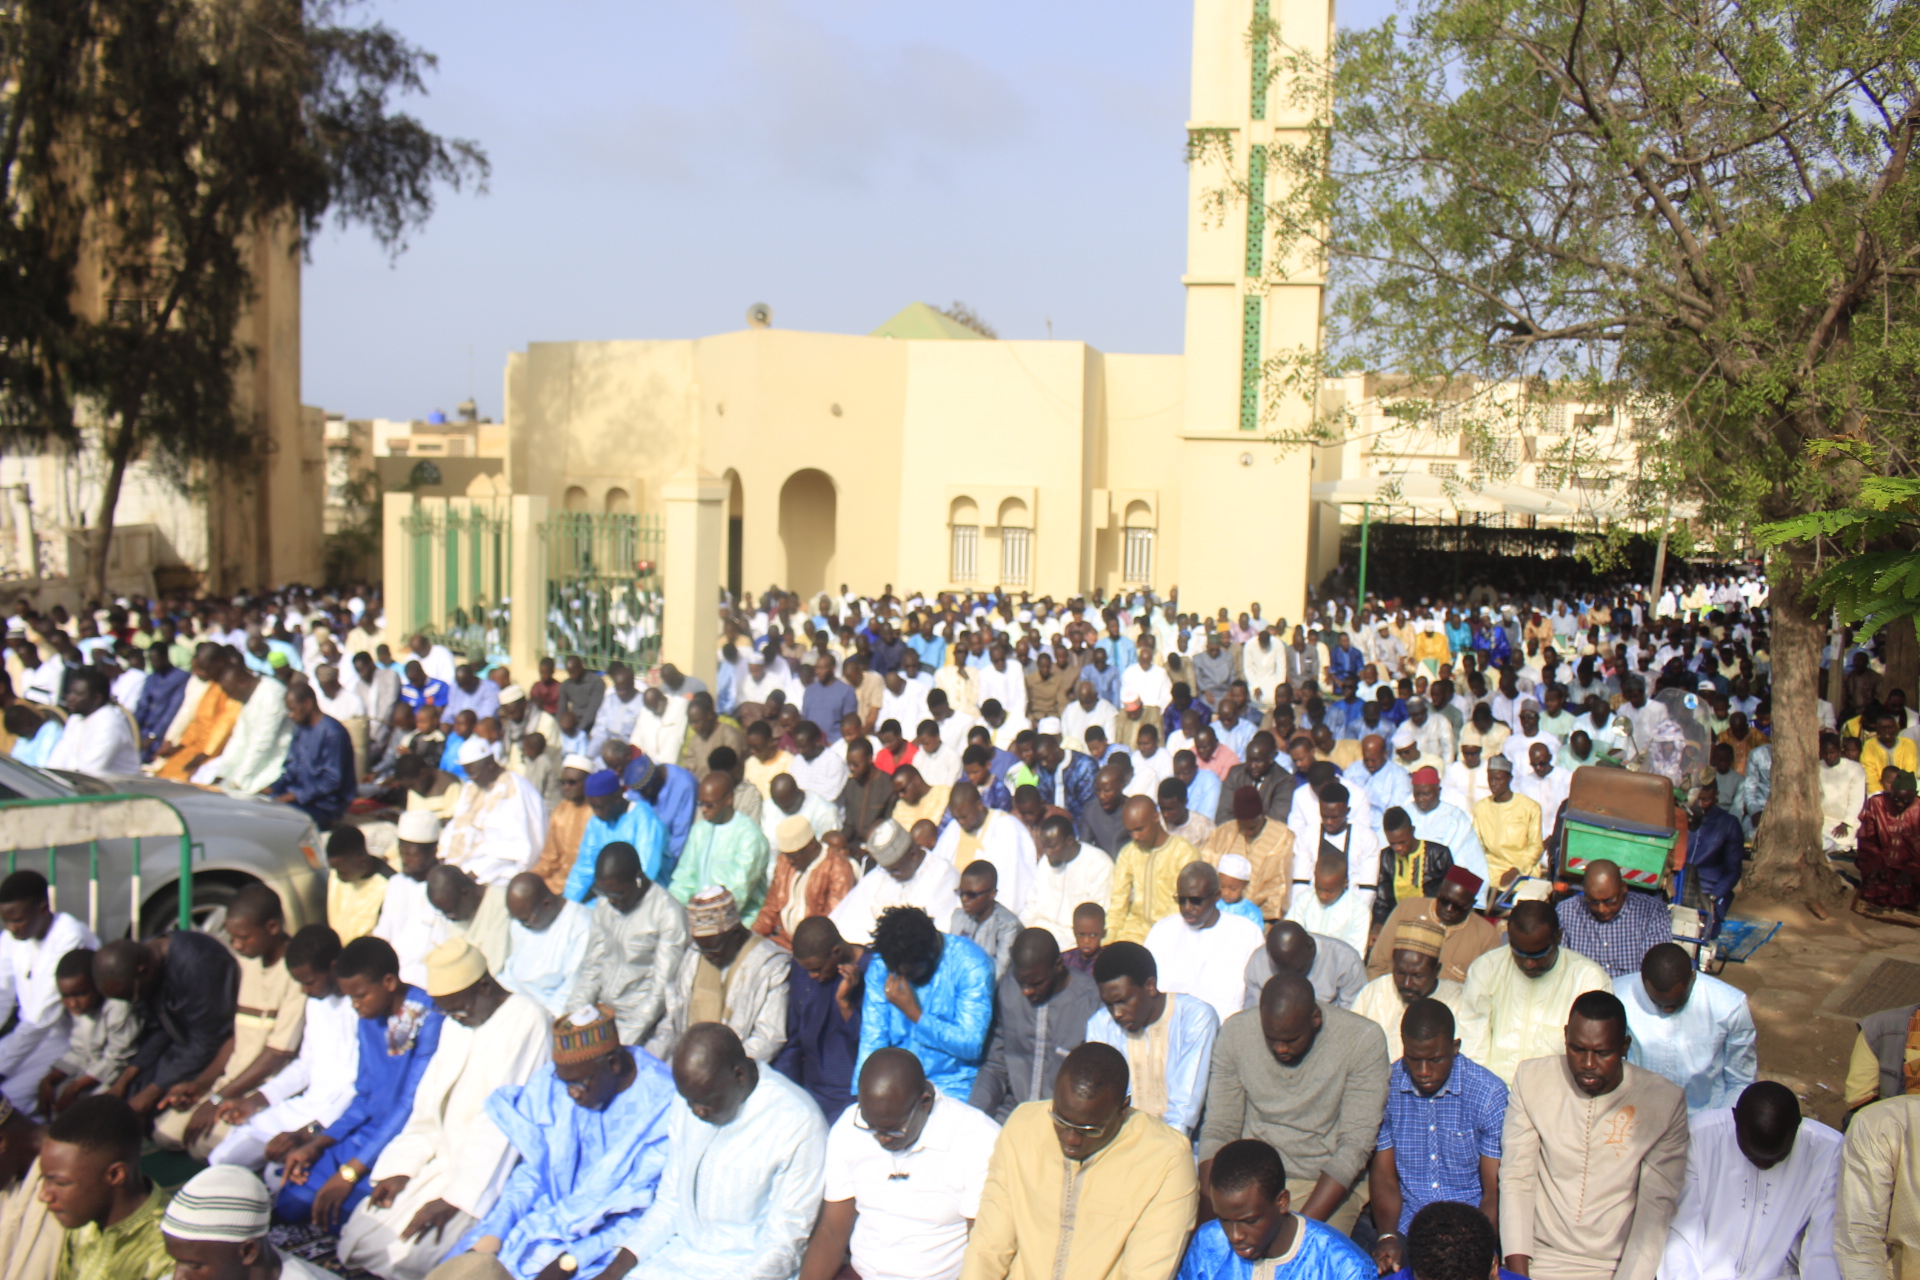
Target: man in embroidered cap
[(1415, 976), (636, 942), (615, 819), (215, 1228), (499, 820), (733, 976), (1468, 936), (591, 1132), (810, 878), (446, 1167), (408, 920)]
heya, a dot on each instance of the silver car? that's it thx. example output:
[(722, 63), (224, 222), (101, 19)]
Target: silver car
[(234, 842)]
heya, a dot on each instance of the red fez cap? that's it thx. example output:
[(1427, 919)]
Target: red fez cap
[(1426, 776), (1464, 878), (1246, 804)]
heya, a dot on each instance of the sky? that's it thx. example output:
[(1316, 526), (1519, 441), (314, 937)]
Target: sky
[(657, 168)]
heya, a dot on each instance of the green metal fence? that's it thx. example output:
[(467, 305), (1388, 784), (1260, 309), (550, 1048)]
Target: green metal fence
[(604, 587), (461, 565), (73, 822)]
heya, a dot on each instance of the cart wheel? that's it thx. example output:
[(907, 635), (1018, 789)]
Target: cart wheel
[(1715, 965)]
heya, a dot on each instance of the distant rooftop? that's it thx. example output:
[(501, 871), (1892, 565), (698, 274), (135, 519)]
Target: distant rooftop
[(918, 320)]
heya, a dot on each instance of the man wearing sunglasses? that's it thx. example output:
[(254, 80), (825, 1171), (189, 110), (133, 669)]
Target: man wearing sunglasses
[(1516, 999), (905, 1168), (1121, 1203)]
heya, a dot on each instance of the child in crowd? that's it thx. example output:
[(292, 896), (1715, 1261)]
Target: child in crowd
[(1330, 910), (1235, 874), (980, 918), (102, 1044), (1089, 932)]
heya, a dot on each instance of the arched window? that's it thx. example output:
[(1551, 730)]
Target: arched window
[(963, 520), (1136, 564), (1016, 543)]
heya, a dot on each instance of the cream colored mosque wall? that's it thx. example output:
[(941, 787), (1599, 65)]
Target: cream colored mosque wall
[(1141, 464), (767, 402)]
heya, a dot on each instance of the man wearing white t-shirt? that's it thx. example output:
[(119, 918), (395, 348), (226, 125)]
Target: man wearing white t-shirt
[(905, 1168)]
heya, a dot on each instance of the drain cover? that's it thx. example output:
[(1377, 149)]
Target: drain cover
[(1892, 984)]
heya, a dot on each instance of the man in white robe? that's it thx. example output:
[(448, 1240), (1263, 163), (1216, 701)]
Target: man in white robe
[(36, 937), (408, 921), (443, 1172), (1758, 1200), (98, 737), (256, 751), (978, 833), (548, 942), (1690, 1028), (499, 821), (1843, 792), (1067, 874), (1202, 951), (905, 875), (746, 1166)]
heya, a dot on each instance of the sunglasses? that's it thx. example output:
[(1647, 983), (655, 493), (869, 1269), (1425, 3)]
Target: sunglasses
[(860, 1123), (968, 895), (1197, 900), (1088, 1130), (1541, 954)]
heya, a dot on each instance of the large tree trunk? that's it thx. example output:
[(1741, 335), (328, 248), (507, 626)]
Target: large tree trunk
[(120, 453), (1788, 860), (1903, 660)]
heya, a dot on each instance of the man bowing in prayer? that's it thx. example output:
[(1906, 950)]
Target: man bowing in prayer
[(1689, 1027), (1759, 1195), (746, 1160), (499, 821), (733, 976), (445, 1169), (591, 1131), (635, 945)]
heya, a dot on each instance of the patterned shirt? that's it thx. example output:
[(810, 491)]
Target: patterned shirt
[(1621, 943), (1437, 1141)]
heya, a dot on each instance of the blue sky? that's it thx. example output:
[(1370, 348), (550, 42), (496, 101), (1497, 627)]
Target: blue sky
[(658, 167)]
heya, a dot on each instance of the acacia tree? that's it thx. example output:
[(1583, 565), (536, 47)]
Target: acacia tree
[(145, 147), (1701, 206)]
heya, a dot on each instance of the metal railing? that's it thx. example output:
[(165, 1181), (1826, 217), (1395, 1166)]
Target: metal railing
[(461, 564), (56, 822), (604, 587)]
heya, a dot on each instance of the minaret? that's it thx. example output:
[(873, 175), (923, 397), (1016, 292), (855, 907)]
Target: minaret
[(1239, 313)]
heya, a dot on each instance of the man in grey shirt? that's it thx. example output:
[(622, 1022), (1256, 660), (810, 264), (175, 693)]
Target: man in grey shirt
[(636, 943), (1310, 1079), (1333, 968), (1042, 1012)]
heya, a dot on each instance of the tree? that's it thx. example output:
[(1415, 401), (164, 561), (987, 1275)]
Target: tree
[(1702, 207), (147, 147), (963, 314)]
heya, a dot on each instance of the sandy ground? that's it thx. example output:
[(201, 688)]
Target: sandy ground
[(1802, 1044)]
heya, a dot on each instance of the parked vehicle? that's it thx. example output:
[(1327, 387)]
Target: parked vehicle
[(232, 842)]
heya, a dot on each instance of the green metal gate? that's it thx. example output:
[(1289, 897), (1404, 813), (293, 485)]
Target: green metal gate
[(604, 587), (461, 565)]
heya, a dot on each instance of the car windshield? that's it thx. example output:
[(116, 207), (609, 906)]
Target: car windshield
[(22, 781)]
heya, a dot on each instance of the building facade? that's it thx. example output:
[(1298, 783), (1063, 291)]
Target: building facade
[(927, 457)]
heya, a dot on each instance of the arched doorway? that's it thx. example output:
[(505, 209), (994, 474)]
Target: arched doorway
[(736, 529), (808, 512)]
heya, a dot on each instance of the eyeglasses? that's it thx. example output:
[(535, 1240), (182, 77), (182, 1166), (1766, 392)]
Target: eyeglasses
[(860, 1123), (1088, 1130), (1197, 900)]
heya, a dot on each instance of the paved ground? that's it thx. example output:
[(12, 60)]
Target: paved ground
[(1811, 964)]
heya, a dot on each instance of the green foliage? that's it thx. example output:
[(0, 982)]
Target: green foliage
[(1875, 579), (148, 150), (1698, 212)]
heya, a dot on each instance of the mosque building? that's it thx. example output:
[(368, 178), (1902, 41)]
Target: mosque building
[(1076, 469)]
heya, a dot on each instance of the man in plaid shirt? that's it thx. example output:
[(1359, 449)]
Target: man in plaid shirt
[(1610, 924)]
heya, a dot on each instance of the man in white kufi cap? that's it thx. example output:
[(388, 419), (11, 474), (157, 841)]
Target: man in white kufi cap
[(216, 1227), (499, 821)]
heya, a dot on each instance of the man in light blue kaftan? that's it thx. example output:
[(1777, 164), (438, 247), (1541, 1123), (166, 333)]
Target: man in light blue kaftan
[(591, 1130), (746, 1166), (1690, 1027), (928, 993)]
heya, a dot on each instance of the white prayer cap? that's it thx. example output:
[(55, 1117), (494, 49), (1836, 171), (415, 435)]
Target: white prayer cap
[(1237, 866), (475, 749), (512, 693), (1048, 725), (226, 1203), (420, 826), (580, 762), (1403, 736)]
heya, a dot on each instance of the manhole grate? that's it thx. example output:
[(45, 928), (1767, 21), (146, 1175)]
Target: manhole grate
[(1892, 984)]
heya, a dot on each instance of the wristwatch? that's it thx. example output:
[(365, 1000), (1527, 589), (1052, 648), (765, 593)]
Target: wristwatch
[(349, 1174), (568, 1263)]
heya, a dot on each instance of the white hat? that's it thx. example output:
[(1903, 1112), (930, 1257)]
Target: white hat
[(512, 693), (226, 1203), (420, 826), (1237, 866), (1048, 725), (580, 762), (475, 749)]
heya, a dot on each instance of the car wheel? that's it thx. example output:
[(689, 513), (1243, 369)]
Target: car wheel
[(209, 910)]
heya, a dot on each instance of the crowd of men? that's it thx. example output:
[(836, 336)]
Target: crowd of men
[(960, 937)]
